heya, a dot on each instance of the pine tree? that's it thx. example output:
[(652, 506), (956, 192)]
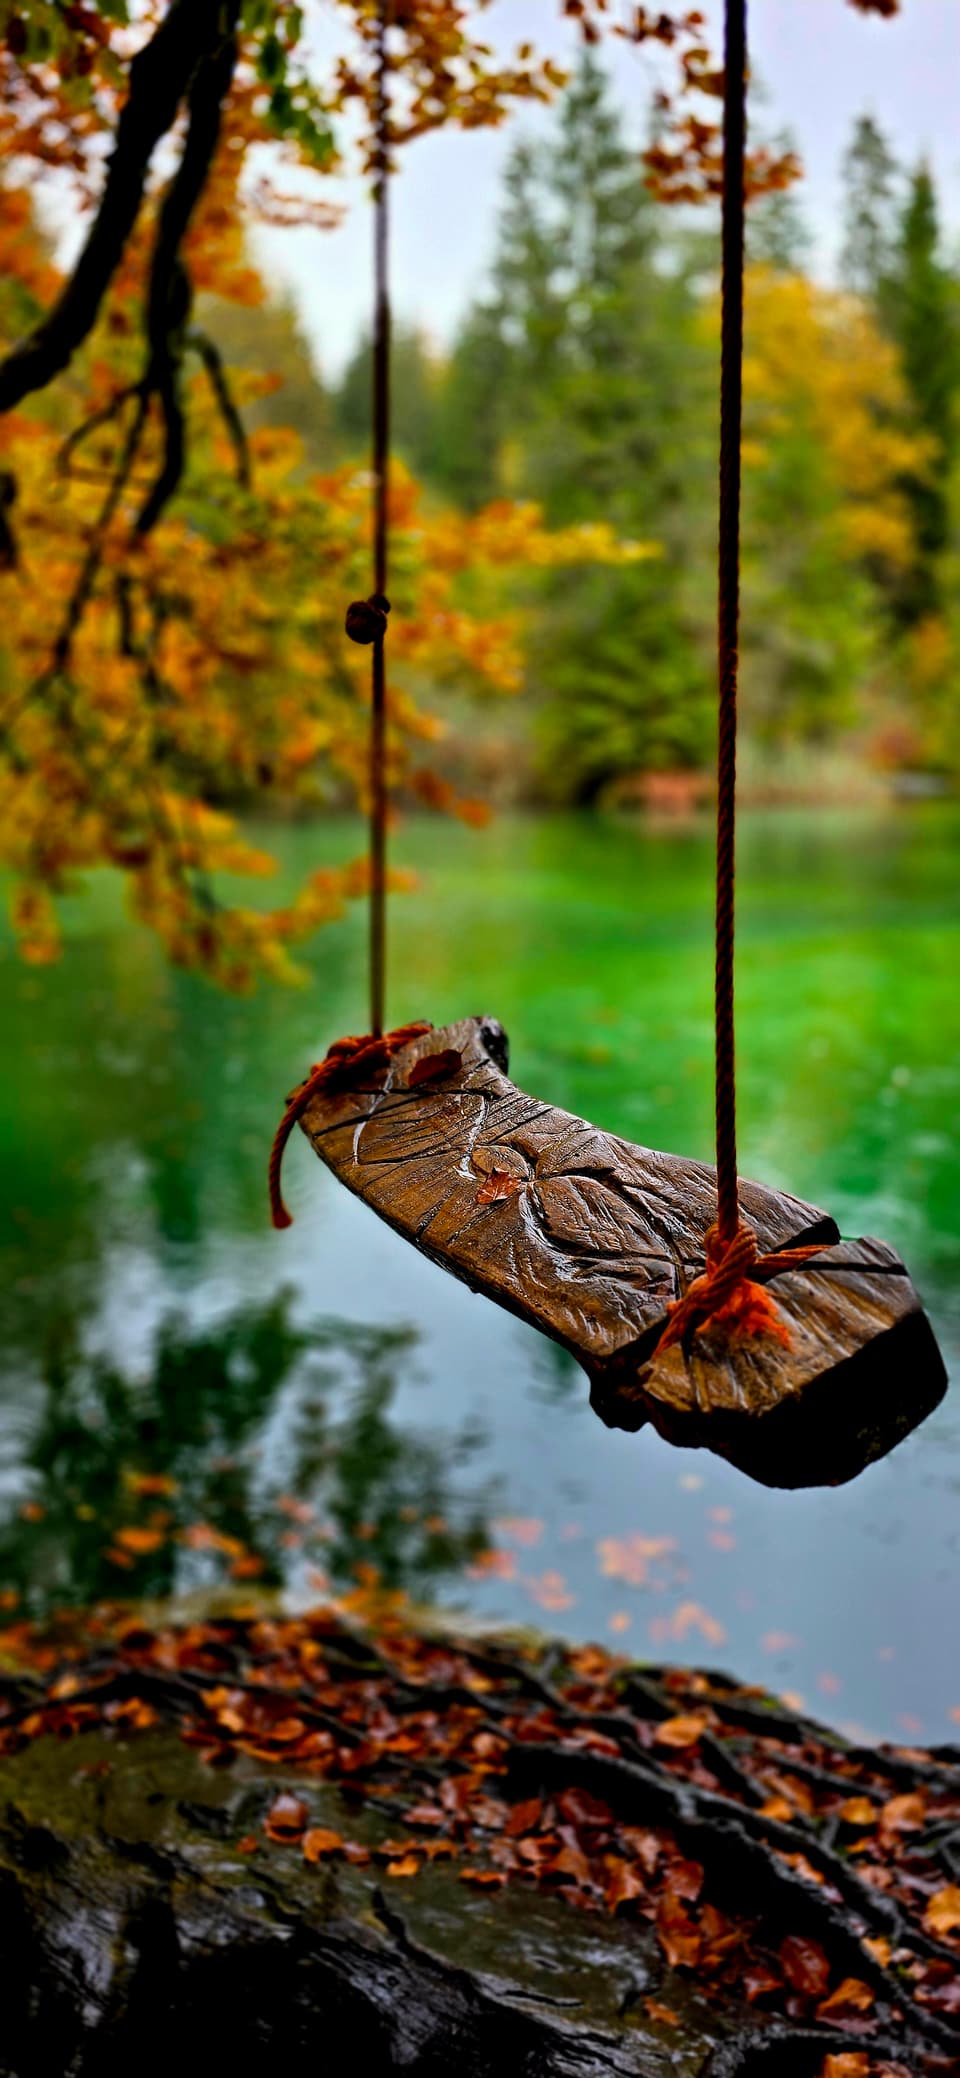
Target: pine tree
[(415, 396), (778, 234), (924, 322), (871, 179)]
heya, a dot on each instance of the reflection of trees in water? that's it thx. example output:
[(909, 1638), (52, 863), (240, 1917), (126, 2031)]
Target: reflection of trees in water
[(559, 1378), (356, 1490)]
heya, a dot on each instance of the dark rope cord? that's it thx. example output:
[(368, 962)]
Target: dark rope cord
[(728, 603), (381, 489), (367, 618)]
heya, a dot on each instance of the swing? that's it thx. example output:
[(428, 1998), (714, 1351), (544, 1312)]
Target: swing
[(728, 1315)]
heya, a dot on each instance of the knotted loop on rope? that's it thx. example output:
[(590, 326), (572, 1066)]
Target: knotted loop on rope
[(727, 1294), (728, 1262), (366, 619)]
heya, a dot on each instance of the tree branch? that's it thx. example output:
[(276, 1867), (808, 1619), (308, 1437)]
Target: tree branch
[(160, 76)]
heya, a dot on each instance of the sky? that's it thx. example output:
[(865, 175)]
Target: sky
[(821, 64)]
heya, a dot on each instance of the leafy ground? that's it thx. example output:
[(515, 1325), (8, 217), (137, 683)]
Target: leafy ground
[(814, 1882)]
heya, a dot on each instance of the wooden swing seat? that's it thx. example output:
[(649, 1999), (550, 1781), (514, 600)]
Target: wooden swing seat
[(591, 1239)]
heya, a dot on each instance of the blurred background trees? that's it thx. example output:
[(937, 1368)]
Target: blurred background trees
[(554, 509)]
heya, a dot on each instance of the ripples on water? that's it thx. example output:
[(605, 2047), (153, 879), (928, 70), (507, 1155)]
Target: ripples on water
[(322, 1401)]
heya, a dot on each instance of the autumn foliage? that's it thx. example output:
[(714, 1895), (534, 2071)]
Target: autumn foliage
[(173, 590)]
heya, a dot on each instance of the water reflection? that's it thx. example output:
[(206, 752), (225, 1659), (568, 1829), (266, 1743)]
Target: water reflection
[(258, 1448)]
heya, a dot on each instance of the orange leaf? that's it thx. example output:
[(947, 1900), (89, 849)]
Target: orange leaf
[(425, 1814), (623, 1883), (524, 1818), (435, 1067), (138, 1540), (665, 2015), (942, 1915), (485, 1879), (318, 1842), (851, 1996), (680, 1731), (679, 1937), (903, 1814), (500, 1183), (858, 1811), (851, 2063), (287, 1817), (805, 1966), (408, 1865), (149, 1483), (759, 1981)]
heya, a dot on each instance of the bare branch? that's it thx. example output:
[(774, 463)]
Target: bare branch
[(212, 360), (160, 76), (169, 298)]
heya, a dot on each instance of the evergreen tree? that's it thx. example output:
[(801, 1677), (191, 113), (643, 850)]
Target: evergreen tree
[(268, 336), (871, 181), (924, 321), (473, 411), (414, 390), (777, 231)]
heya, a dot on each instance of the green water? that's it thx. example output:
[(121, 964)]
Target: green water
[(331, 1401)]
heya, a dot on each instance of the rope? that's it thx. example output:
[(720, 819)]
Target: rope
[(725, 1292), (366, 619), (728, 604), (346, 1064)]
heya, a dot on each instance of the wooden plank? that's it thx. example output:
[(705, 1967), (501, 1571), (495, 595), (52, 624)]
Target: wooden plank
[(590, 1239)]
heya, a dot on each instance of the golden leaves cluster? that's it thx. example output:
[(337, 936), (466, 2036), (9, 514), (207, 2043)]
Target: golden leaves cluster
[(208, 672)]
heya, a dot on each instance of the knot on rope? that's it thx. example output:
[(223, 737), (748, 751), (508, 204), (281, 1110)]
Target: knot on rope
[(725, 1294), (347, 1062), (366, 619)]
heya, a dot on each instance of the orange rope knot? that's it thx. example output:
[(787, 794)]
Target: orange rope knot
[(724, 1294), (348, 1062), (366, 619)]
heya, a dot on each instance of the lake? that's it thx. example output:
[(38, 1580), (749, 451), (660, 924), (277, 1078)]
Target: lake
[(187, 1396)]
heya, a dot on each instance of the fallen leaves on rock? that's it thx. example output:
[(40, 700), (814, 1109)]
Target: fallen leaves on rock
[(520, 1770)]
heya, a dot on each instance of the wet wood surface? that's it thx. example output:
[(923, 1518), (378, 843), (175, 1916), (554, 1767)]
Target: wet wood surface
[(590, 1239)]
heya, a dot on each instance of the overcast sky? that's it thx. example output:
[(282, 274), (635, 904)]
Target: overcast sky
[(822, 65)]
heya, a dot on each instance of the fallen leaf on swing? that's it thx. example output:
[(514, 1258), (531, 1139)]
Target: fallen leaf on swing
[(942, 1915), (851, 1996), (679, 1731), (435, 1067), (499, 1184)]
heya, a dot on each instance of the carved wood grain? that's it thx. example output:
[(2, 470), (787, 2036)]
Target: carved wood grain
[(590, 1238)]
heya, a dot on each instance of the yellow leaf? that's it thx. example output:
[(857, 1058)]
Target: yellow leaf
[(942, 1915)]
